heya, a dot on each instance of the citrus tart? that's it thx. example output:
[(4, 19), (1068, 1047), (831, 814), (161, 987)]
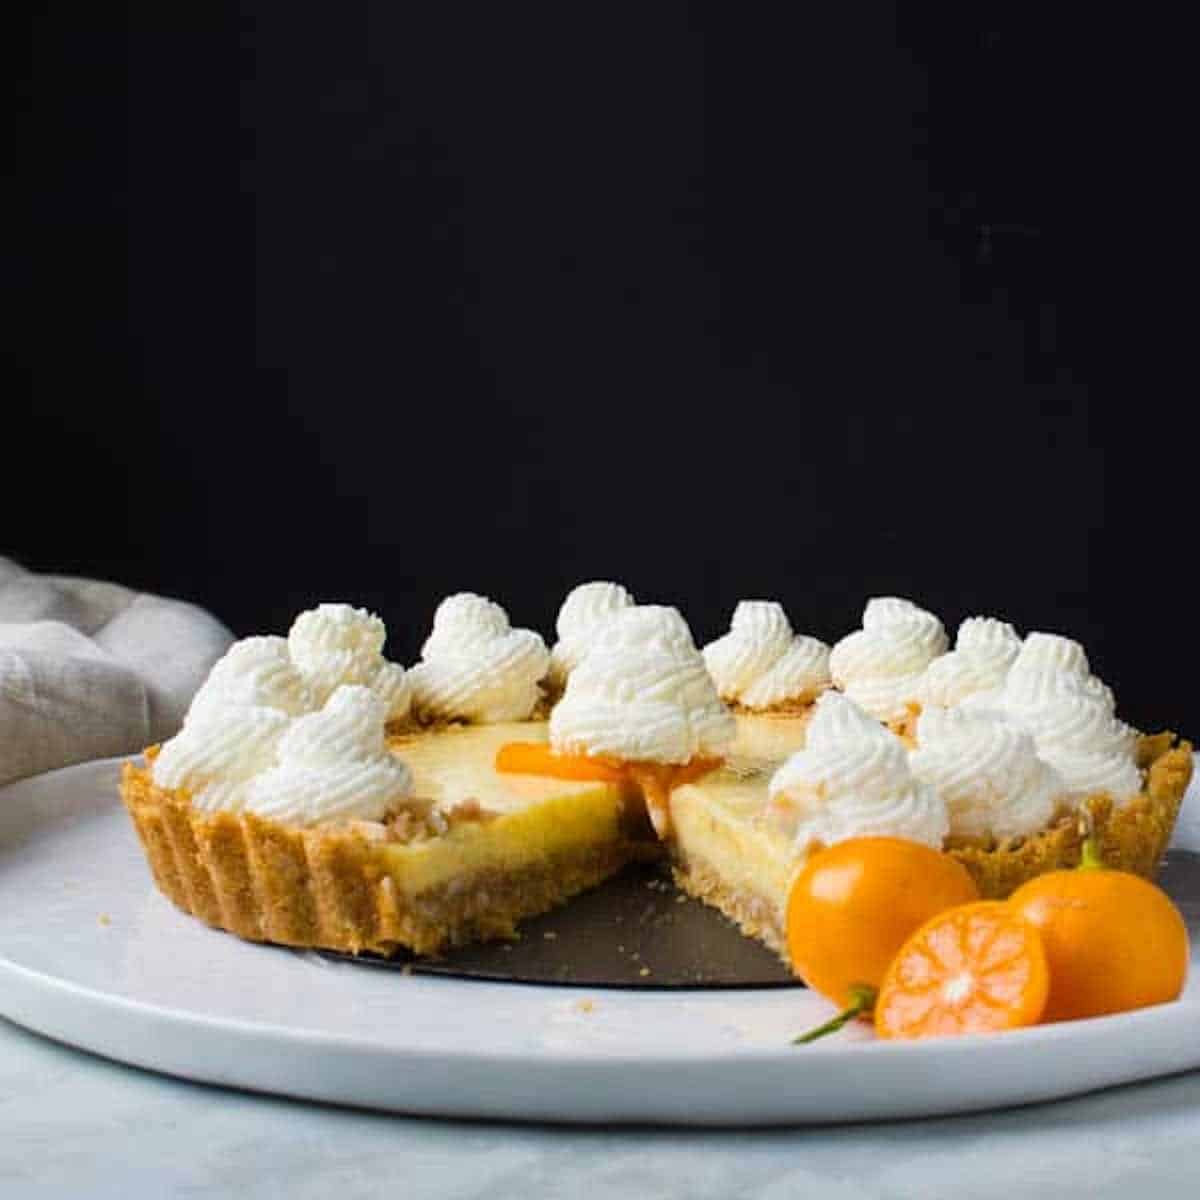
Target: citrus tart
[(320, 795)]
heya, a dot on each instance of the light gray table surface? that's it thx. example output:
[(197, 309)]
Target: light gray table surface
[(73, 1125)]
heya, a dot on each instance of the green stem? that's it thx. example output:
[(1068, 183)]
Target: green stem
[(862, 1000), (1089, 854)]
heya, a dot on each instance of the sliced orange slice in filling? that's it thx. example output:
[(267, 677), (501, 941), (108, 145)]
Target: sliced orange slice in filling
[(654, 780)]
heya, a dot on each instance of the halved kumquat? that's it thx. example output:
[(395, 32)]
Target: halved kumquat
[(978, 968)]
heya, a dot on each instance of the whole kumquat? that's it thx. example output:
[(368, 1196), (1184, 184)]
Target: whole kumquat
[(852, 907), (978, 968), (1113, 940)]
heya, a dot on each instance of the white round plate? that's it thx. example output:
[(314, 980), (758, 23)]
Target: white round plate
[(92, 955)]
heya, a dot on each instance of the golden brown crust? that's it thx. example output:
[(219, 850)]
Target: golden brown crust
[(798, 706), (1132, 837), (332, 887)]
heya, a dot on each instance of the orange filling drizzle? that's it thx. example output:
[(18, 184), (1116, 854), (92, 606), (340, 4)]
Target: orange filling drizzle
[(655, 780)]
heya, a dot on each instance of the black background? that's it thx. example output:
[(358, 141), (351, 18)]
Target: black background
[(377, 302)]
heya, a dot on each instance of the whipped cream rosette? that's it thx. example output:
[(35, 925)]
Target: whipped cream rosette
[(475, 667), (642, 694), (332, 765), (853, 779), (762, 664), (880, 666), (218, 752), (336, 644), (988, 772), (984, 650), (294, 727), (1051, 693), (256, 672), (581, 619)]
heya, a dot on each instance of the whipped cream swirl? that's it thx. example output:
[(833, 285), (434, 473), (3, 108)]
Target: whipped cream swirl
[(983, 652), (988, 772), (1048, 667), (336, 644), (760, 663), (584, 613), (1051, 693), (218, 752), (262, 702), (332, 765), (256, 672), (880, 665), (476, 667), (642, 694), (852, 779)]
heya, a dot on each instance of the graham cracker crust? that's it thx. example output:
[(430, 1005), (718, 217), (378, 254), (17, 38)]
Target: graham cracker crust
[(798, 706), (1132, 837), (334, 887)]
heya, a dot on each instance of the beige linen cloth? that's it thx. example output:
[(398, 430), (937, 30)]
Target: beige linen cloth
[(91, 669)]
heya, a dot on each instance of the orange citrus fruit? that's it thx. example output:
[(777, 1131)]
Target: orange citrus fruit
[(854, 904), (1113, 940), (978, 968)]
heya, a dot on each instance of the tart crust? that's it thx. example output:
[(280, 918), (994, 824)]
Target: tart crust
[(1132, 837), (350, 888), (796, 707)]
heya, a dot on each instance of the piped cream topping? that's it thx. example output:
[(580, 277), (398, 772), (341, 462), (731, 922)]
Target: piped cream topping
[(336, 644), (642, 694), (852, 779), (1051, 693), (294, 728), (256, 672), (1049, 667), (984, 649), (988, 772), (218, 752), (584, 614), (880, 665), (475, 667), (332, 765), (761, 663)]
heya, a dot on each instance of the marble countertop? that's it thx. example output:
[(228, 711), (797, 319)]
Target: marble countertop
[(73, 1125)]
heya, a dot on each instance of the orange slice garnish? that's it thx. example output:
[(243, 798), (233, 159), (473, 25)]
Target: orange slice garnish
[(536, 758), (655, 780), (978, 968)]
